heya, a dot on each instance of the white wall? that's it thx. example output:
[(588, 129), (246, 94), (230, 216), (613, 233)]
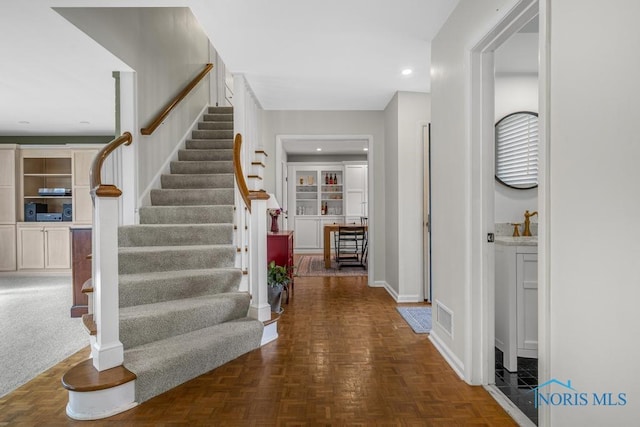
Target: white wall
[(594, 243), (405, 115), (590, 246), (334, 123), (391, 136), (514, 92), (167, 48), (451, 168)]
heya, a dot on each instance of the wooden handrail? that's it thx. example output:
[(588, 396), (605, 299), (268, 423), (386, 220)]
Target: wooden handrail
[(163, 115), (97, 187), (247, 195)]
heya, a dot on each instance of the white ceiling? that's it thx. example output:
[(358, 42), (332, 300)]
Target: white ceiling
[(296, 55)]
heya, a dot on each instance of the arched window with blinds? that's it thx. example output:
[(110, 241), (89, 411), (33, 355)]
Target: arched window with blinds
[(517, 150)]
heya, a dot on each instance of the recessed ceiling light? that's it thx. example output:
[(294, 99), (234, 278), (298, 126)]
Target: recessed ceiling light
[(365, 149), (24, 122), (318, 149), (407, 71), (84, 122)]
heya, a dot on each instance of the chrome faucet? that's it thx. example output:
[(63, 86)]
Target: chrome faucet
[(527, 222)]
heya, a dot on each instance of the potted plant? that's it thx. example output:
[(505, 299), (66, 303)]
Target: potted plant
[(278, 279)]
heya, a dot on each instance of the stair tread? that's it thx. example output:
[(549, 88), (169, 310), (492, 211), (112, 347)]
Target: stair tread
[(169, 226), (164, 307), (84, 377), (210, 139), (89, 324), (174, 274), (132, 249)]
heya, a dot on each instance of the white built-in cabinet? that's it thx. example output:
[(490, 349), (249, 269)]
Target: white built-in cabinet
[(324, 193), (516, 302), (44, 246), (24, 170)]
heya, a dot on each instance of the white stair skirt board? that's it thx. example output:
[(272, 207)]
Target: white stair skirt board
[(269, 333), (95, 405)]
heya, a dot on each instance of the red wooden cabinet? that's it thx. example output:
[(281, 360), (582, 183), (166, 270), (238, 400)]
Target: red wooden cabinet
[(280, 250), (80, 269)]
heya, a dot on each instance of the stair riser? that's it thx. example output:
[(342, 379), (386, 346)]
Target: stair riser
[(212, 134), (175, 259), (164, 365), (186, 214), (193, 155), (138, 327), (175, 235), (215, 126), (177, 197), (209, 144), (221, 110), (201, 167), (217, 117), (152, 288), (197, 181)]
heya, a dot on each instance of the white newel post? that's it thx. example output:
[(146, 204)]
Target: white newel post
[(106, 350), (259, 309)]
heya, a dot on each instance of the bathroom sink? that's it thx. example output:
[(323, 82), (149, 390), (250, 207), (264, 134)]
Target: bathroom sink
[(517, 241)]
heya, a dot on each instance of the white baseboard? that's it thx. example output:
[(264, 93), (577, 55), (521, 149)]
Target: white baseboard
[(510, 407), (453, 361), (145, 199), (396, 297)]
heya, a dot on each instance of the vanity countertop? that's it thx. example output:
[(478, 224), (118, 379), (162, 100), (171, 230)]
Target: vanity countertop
[(517, 241)]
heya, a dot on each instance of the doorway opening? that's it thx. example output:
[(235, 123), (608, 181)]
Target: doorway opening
[(481, 346), (337, 154), (516, 295)]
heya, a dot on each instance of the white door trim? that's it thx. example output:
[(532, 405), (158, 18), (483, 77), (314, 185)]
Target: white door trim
[(479, 296)]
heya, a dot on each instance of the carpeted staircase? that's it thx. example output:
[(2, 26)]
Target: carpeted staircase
[(181, 314)]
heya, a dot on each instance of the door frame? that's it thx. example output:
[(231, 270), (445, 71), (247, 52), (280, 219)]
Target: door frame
[(426, 211), (309, 139), (480, 302)]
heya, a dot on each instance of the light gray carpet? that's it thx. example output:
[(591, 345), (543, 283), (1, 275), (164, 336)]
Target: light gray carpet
[(36, 330)]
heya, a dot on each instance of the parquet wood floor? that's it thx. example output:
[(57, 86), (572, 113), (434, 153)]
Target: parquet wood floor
[(344, 357)]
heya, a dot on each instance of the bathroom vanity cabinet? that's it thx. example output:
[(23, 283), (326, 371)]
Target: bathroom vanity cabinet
[(516, 299)]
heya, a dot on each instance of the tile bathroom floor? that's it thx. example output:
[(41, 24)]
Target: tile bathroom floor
[(518, 386)]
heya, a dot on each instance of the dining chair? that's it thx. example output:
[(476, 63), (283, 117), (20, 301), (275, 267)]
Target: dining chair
[(350, 246)]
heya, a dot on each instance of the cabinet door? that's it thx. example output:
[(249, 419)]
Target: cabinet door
[(82, 205), (7, 187), (8, 205), (527, 303), (82, 161), (277, 249), (7, 247), (31, 248), (355, 190), (57, 247), (307, 233)]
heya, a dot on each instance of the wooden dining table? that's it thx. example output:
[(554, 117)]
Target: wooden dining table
[(332, 228)]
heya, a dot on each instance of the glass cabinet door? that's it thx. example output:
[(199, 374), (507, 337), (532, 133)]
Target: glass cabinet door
[(306, 185), (331, 194)]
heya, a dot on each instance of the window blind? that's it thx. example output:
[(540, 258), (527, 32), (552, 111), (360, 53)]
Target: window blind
[(517, 150)]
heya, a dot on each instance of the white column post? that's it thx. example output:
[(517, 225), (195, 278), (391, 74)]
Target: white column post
[(259, 308), (107, 350)]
